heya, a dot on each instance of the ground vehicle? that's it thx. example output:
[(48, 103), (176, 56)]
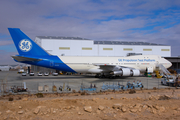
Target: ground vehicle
[(91, 88), (68, 88), (16, 89), (46, 74), (55, 74), (20, 70), (39, 74), (68, 73), (133, 85), (168, 80), (23, 74), (114, 86), (31, 74)]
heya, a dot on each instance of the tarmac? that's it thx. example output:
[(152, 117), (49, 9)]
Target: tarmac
[(12, 78)]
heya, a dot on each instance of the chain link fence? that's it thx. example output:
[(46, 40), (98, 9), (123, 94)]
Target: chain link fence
[(63, 86)]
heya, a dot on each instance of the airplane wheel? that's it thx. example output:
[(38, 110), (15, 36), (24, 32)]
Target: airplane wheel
[(97, 76), (102, 76), (162, 83)]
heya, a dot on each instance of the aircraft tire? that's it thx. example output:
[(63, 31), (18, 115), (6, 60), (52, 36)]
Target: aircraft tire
[(162, 83)]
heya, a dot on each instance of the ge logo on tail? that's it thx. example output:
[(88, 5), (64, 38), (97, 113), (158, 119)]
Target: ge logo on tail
[(25, 45)]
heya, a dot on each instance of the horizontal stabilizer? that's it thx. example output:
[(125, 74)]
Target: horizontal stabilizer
[(21, 59)]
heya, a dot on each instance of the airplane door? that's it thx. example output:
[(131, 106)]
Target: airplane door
[(150, 69), (51, 63)]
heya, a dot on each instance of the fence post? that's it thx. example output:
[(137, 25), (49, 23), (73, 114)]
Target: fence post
[(158, 85), (147, 83)]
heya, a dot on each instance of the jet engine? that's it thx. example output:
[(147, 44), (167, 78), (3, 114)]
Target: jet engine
[(126, 72), (135, 72)]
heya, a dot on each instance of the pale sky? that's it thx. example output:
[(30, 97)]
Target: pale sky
[(154, 21)]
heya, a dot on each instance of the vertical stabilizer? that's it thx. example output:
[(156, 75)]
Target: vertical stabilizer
[(24, 45)]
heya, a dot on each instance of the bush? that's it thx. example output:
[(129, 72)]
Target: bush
[(11, 98), (74, 91), (83, 93), (132, 91), (39, 95)]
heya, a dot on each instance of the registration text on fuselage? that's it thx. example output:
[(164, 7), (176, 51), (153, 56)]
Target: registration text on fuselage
[(136, 60)]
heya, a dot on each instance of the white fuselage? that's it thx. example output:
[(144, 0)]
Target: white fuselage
[(92, 64)]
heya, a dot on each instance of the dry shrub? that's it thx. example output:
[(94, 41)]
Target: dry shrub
[(132, 91), (11, 98), (74, 91), (39, 95), (83, 93)]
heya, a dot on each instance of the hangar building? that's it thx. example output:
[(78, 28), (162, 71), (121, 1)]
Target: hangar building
[(4, 68), (76, 46)]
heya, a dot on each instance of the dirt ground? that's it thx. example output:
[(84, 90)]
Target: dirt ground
[(163, 104)]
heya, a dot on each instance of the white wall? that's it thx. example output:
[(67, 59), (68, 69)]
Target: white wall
[(4, 68), (52, 46)]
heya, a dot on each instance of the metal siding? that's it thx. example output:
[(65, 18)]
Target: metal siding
[(128, 46), (165, 53), (47, 45), (87, 44), (118, 50), (138, 49), (106, 52), (97, 50), (75, 47), (61, 43), (38, 41), (156, 50)]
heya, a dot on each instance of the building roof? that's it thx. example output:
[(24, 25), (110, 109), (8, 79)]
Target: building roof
[(125, 43), (61, 37), (100, 42)]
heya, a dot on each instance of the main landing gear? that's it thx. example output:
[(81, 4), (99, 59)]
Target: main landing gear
[(104, 76)]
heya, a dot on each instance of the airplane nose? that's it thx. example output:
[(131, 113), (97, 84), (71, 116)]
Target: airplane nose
[(169, 64)]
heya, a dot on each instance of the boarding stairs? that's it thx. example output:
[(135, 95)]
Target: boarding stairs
[(163, 69)]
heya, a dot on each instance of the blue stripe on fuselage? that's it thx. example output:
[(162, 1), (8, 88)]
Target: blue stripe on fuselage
[(51, 61)]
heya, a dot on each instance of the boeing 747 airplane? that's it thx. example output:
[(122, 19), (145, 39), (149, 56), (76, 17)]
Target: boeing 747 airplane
[(31, 53)]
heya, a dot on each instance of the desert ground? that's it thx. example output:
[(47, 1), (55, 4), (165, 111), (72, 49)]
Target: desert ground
[(155, 104)]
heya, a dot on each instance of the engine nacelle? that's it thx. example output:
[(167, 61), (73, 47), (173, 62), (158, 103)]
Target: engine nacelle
[(126, 72), (117, 72), (135, 72)]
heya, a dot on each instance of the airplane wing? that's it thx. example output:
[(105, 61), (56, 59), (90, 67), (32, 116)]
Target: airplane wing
[(20, 58), (108, 67), (118, 70)]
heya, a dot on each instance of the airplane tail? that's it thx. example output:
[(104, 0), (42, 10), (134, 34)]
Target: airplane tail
[(24, 45)]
